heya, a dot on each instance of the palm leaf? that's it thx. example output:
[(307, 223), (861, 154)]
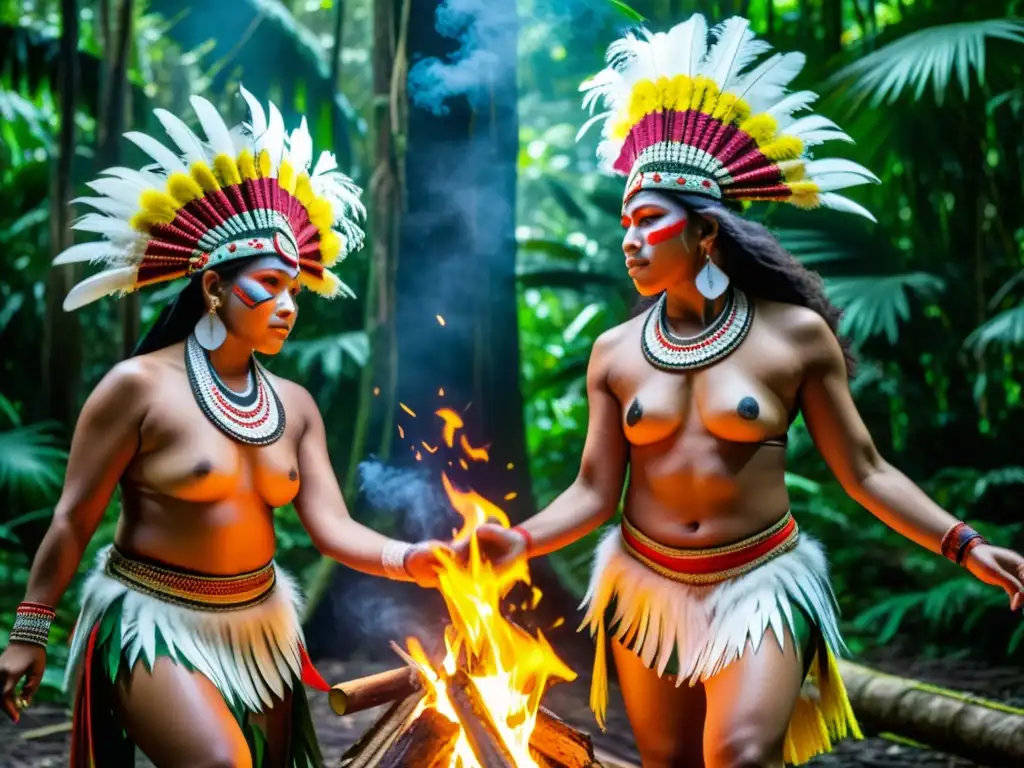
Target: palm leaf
[(875, 305), (31, 461), (554, 249), (627, 11), (1005, 329), (935, 54), (330, 352), (566, 278)]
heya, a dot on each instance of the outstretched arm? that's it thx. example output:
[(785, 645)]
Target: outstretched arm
[(594, 496), (845, 444), (326, 518)]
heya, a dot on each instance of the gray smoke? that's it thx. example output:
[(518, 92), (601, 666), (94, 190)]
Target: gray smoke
[(412, 498)]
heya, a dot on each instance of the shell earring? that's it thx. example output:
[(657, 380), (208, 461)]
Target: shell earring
[(210, 331), (711, 281)]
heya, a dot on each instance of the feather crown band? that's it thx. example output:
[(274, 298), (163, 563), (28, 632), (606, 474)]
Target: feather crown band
[(243, 192), (686, 113)]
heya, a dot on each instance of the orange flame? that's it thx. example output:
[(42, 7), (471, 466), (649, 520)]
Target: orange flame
[(452, 423), (476, 454), (510, 668)]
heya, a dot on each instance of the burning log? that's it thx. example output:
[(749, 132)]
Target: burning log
[(366, 752), (428, 743), (560, 744), (483, 737), (373, 690)]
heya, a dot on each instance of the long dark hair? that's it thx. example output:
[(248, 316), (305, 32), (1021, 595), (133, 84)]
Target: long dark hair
[(177, 319), (758, 265)]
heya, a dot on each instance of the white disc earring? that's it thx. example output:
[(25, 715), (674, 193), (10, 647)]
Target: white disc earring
[(210, 331), (711, 281)]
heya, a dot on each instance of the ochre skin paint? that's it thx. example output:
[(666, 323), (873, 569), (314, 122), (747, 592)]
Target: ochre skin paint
[(251, 292), (666, 233)]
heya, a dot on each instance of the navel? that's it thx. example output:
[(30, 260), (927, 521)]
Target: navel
[(202, 469), (635, 413), (748, 408)]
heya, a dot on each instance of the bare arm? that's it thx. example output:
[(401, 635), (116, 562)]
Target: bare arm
[(105, 440), (321, 506), (594, 496), (844, 442)]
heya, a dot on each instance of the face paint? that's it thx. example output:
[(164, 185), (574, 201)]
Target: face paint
[(626, 221), (666, 233), (251, 292)]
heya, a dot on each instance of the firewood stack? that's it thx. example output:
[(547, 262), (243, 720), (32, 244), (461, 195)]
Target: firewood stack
[(401, 737)]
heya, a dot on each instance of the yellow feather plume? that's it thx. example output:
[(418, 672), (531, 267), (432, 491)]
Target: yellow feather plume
[(263, 163), (700, 86), (320, 214), (760, 127), (286, 177), (711, 97), (793, 170), (204, 177), (684, 94), (806, 194), (227, 170), (183, 189), (304, 190), (330, 247), (156, 207), (247, 165), (328, 285), (783, 148)]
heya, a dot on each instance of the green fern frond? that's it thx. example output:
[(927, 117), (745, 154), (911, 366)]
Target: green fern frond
[(1005, 330), (875, 305), (31, 462), (935, 54), (331, 352)]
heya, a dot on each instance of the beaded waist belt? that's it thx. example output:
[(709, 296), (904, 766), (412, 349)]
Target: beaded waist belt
[(211, 593), (709, 566)]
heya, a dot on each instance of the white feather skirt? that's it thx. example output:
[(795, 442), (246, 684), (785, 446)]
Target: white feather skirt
[(249, 654), (708, 626)]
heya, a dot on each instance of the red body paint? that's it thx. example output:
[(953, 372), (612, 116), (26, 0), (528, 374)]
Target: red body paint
[(626, 222), (666, 233), (251, 292)]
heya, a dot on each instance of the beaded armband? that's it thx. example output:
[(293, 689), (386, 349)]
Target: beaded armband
[(392, 557), (959, 540), (32, 623)]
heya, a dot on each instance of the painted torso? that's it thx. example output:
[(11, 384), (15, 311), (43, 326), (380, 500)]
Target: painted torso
[(701, 473), (192, 496)]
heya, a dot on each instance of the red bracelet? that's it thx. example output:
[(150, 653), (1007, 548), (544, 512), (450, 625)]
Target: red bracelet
[(958, 541), (526, 535)]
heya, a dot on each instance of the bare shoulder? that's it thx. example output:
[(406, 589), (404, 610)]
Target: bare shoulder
[(296, 399), (804, 329), (611, 340)]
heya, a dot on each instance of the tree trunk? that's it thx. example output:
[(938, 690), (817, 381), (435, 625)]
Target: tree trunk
[(62, 359), (376, 412), (832, 19), (983, 731), (457, 255), (112, 113)]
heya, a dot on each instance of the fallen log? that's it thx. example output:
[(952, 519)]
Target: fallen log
[(559, 743), (483, 737), (367, 752), (986, 732), (372, 690), (429, 742)]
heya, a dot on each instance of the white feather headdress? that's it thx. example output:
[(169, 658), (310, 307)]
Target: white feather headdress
[(242, 192), (682, 112)]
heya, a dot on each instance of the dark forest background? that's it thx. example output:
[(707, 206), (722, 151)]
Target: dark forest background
[(485, 213)]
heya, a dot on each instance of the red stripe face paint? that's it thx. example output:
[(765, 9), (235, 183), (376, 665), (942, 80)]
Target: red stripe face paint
[(251, 292), (666, 233)]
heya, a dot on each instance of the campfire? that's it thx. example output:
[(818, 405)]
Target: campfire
[(480, 705)]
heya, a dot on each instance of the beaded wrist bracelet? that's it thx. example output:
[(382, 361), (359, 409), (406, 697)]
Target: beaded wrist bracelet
[(958, 541), (392, 557), (32, 623)]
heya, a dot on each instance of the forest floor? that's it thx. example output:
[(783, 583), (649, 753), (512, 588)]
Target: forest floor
[(40, 740)]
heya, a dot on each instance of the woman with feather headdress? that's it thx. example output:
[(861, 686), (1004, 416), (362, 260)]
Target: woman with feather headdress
[(188, 644), (718, 606)]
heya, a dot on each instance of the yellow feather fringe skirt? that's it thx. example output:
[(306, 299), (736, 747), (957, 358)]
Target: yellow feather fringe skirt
[(704, 627)]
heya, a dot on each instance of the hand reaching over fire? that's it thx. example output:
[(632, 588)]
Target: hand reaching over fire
[(422, 561), (499, 545)]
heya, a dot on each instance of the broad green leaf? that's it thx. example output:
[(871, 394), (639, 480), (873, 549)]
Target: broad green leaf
[(1005, 330), (873, 306)]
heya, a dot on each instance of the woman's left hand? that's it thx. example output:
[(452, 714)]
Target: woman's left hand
[(422, 561), (1001, 568)]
